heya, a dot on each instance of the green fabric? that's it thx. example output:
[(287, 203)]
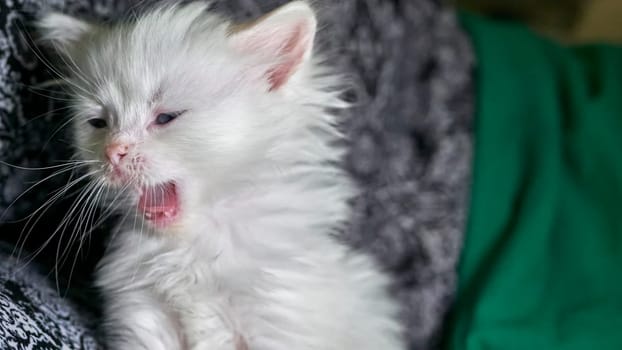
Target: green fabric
[(542, 260)]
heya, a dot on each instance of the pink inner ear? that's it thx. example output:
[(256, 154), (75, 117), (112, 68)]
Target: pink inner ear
[(291, 55)]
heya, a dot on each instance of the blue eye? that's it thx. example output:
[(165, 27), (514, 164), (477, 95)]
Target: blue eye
[(98, 123), (165, 118)]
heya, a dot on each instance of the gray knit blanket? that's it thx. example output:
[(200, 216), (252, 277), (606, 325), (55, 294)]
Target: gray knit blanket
[(409, 150)]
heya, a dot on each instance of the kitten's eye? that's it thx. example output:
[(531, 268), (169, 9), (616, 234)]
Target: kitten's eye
[(98, 123), (165, 118)]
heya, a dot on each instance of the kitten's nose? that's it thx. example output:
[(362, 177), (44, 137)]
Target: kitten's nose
[(116, 151)]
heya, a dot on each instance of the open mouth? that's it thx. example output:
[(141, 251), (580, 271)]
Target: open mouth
[(159, 204)]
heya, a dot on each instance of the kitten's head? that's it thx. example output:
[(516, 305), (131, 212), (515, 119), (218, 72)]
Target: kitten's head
[(179, 102)]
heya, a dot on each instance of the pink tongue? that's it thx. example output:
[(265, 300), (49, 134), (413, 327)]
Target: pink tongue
[(159, 198)]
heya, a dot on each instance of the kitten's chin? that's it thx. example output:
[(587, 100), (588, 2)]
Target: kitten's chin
[(159, 204)]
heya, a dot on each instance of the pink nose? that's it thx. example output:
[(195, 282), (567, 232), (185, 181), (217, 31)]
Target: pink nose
[(116, 151)]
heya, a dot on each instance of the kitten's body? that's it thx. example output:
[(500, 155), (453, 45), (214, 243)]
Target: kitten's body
[(245, 258), (240, 274)]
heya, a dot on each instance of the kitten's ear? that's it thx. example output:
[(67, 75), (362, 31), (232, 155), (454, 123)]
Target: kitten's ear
[(283, 37), (62, 31)]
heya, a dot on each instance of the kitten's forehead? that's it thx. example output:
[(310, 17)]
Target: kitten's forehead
[(168, 54)]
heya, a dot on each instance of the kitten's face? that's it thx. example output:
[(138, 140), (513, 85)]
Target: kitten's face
[(177, 105)]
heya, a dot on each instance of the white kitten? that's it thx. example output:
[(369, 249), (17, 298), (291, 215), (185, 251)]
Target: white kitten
[(219, 142)]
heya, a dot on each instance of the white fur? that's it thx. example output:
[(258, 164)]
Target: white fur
[(252, 262)]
